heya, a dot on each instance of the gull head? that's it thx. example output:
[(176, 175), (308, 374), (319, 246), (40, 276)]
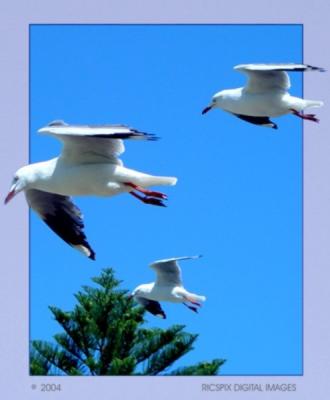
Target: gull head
[(216, 102), (20, 182)]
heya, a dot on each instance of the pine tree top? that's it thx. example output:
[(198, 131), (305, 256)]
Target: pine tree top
[(104, 335)]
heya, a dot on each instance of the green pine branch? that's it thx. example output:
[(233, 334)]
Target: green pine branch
[(104, 335), (201, 369)]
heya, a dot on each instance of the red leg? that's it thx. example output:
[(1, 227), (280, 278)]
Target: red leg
[(148, 200), (146, 191), (193, 301), (191, 308), (309, 117), (196, 304)]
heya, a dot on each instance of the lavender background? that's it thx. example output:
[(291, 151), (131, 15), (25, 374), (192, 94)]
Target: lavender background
[(15, 18)]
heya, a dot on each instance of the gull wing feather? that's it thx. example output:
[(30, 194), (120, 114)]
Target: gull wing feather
[(152, 306), (267, 77), (168, 271), (85, 144), (62, 217)]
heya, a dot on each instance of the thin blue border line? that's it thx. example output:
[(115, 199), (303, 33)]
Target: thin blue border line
[(162, 24), (302, 219), (302, 183), (29, 219)]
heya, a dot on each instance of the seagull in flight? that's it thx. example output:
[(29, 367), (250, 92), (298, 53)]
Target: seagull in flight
[(168, 287), (265, 95), (88, 165)]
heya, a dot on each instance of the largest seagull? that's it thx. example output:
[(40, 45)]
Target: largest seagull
[(88, 165), (265, 95)]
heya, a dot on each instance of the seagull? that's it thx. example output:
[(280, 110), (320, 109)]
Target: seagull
[(168, 287), (265, 95), (88, 165)]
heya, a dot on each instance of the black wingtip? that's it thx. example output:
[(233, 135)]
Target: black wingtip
[(68, 225), (136, 134), (86, 245), (84, 248), (161, 315), (143, 136), (312, 68), (152, 137)]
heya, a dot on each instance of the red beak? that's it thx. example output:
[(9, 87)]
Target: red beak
[(10, 195)]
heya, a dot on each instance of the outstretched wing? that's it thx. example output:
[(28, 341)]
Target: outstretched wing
[(84, 144), (264, 77), (168, 271), (62, 216)]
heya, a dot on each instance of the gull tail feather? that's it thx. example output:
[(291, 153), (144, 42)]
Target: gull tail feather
[(158, 181), (313, 103), (197, 297)]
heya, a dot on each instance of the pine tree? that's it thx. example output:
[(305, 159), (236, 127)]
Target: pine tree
[(104, 335)]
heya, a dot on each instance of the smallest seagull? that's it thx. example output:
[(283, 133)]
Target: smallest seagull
[(265, 95), (168, 287)]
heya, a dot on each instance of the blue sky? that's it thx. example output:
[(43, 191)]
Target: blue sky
[(238, 200)]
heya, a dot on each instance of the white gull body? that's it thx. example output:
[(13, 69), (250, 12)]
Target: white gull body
[(265, 95), (167, 287), (88, 165)]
